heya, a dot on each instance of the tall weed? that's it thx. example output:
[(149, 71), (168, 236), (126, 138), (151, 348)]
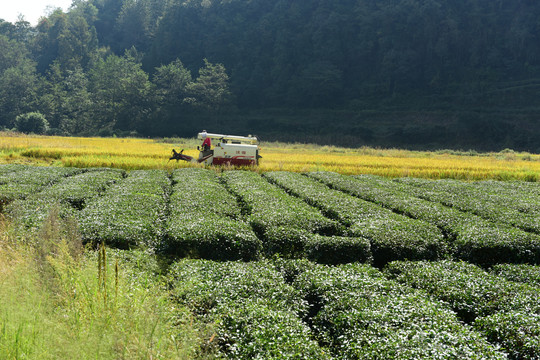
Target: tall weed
[(58, 301)]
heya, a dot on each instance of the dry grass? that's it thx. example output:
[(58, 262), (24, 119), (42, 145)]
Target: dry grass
[(152, 154)]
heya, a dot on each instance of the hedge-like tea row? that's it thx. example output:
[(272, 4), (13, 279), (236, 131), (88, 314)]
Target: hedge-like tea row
[(392, 236), (9, 168), (296, 243), (519, 195), (475, 239), (21, 181), (271, 211), (466, 197), (205, 220), (490, 300), (359, 314), (525, 273), (68, 194), (76, 190), (254, 312), (130, 212), (517, 331)]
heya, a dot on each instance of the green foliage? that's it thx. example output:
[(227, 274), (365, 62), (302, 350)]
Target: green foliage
[(255, 312), (269, 207), (296, 243), (518, 332), (473, 238), (18, 91), (491, 243), (529, 274), (490, 205), (20, 181), (505, 311), (392, 236), (210, 89), (469, 290), (33, 122), (360, 314), (64, 197), (204, 219), (121, 92), (130, 213)]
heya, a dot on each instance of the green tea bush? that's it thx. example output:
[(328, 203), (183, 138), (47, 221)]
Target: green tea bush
[(205, 220), (26, 180), (256, 314), (525, 273), (392, 236), (6, 169), (507, 312), (295, 243), (519, 195), (78, 189), (65, 196), (473, 238), (268, 206), (466, 197), (487, 244), (470, 291), (359, 314), (518, 332), (129, 213)]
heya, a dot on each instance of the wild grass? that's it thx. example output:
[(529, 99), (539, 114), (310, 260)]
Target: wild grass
[(130, 154), (60, 302)]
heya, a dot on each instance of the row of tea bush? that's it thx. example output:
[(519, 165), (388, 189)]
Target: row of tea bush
[(294, 309), (506, 311), (472, 238), (392, 236)]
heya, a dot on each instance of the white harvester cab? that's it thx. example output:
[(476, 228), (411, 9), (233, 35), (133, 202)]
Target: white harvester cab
[(229, 149)]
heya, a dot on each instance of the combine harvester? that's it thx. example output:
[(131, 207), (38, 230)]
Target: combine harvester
[(229, 150)]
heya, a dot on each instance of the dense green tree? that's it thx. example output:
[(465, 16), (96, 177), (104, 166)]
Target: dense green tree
[(121, 93), (66, 101), (32, 122), (210, 90), (18, 91), (171, 82), (471, 63)]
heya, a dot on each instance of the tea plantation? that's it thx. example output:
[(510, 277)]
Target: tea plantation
[(317, 265)]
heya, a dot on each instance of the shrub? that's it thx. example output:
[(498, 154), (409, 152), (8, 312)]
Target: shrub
[(294, 243), (474, 238), (130, 213), (517, 331), (466, 197), (23, 181), (32, 122), (487, 244), (67, 195), (525, 273), (204, 220), (392, 236), (469, 290), (268, 206), (338, 249), (360, 314), (254, 311)]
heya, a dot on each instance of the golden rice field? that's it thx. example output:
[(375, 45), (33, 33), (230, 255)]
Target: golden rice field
[(130, 153)]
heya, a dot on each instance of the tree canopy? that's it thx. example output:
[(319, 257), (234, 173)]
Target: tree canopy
[(416, 73)]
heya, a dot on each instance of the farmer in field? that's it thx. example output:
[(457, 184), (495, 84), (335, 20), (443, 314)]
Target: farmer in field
[(207, 143)]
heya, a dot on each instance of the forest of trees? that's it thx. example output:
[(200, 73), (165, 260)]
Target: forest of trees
[(406, 73)]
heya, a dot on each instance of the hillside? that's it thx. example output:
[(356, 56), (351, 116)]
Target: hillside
[(419, 74)]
